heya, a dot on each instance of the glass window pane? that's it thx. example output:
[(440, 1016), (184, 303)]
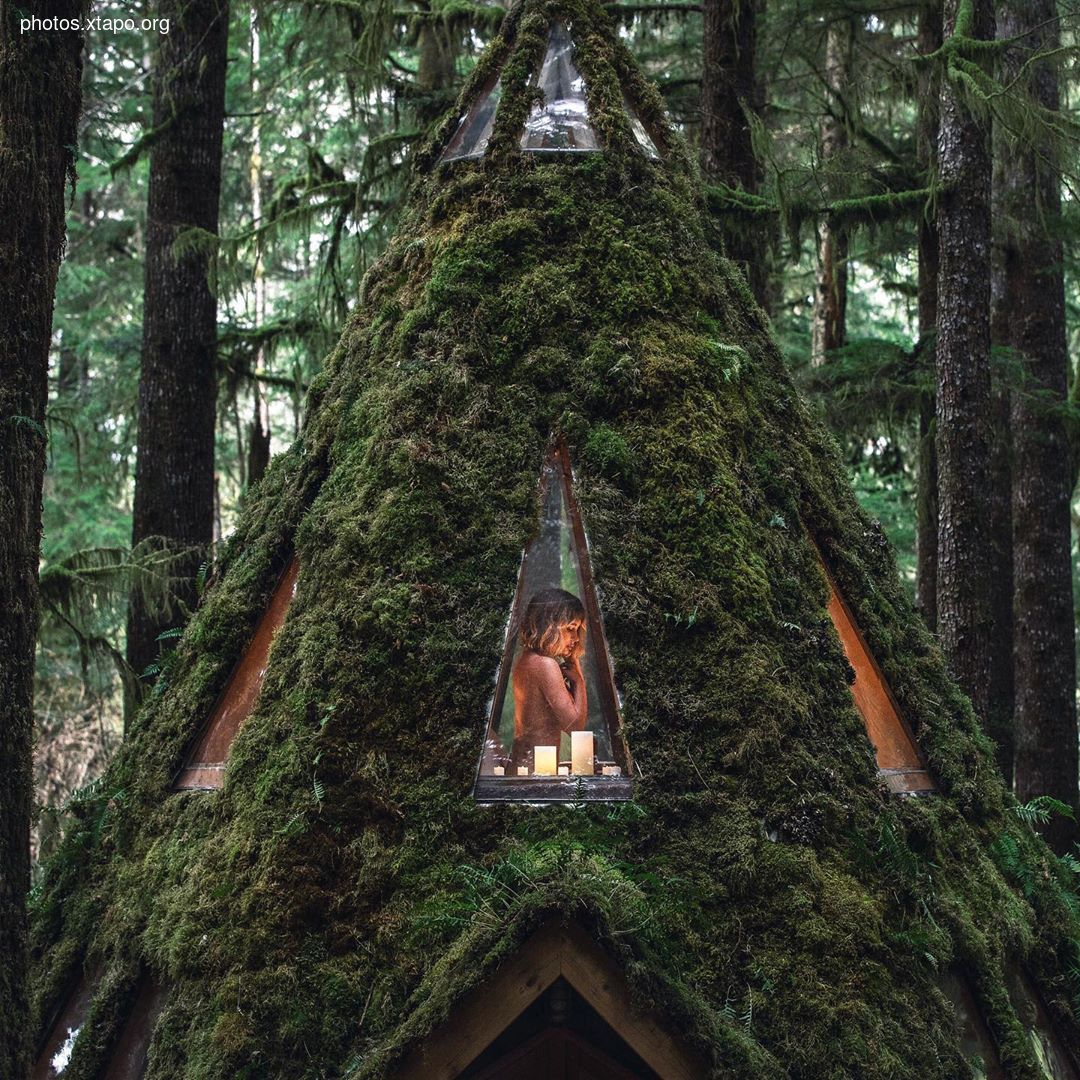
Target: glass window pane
[(976, 1043), (561, 123), (899, 762), (1050, 1051), (474, 132), (644, 139), (56, 1053), (555, 708), (205, 768)]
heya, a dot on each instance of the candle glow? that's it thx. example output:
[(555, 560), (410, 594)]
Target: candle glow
[(545, 761), (582, 751)]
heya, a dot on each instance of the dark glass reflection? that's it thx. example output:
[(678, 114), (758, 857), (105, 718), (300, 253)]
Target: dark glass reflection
[(976, 1043), (561, 123), (474, 132), (1050, 1051), (644, 139)]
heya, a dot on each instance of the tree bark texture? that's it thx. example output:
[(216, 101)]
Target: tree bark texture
[(730, 93), (830, 293), (963, 375), (1045, 657), (40, 73), (174, 479), (929, 41), (999, 721)]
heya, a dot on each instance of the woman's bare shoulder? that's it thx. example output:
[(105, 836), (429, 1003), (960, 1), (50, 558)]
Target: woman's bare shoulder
[(534, 661)]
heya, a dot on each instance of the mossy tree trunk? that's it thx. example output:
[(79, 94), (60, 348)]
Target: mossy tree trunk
[(37, 138), (174, 478), (437, 44), (1034, 297), (963, 371), (730, 95), (926, 136), (830, 293), (259, 432), (999, 721)]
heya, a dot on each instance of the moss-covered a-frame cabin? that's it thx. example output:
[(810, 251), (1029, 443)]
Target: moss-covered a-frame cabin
[(332, 897)]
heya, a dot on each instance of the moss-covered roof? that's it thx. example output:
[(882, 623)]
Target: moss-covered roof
[(328, 907)]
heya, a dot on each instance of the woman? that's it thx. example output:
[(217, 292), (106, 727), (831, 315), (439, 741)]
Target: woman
[(549, 686)]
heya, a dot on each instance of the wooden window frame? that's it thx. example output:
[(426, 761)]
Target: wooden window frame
[(906, 780), (209, 775), (499, 789)]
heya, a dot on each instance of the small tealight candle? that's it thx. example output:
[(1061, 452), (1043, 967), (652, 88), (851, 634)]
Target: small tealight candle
[(564, 770), (523, 770), (499, 770), (545, 761), (582, 747)]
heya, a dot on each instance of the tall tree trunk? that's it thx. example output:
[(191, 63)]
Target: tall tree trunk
[(259, 441), (730, 95), (174, 478), (999, 721), (1045, 658), (830, 293), (927, 503), (963, 373), (436, 71), (40, 71)]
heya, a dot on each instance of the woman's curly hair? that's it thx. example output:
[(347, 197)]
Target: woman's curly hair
[(548, 610)]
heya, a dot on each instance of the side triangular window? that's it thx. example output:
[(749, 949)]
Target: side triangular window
[(205, 767), (474, 132), (561, 122), (900, 764), (641, 133), (553, 732)]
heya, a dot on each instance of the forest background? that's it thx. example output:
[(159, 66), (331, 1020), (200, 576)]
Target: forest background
[(816, 122)]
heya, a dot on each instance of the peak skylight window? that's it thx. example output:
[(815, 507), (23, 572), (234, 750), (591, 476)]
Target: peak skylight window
[(553, 732), (474, 132), (644, 139), (561, 122)]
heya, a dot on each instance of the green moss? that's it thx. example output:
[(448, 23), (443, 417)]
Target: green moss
[(333, 902)]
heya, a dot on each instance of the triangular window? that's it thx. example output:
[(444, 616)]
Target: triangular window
[(55, 1053), (976, 1043), (1051, 1051), (128, 1061), (474, 132), (641, 134), (205, 768), (899, 762), (561, 123), (553, 732)]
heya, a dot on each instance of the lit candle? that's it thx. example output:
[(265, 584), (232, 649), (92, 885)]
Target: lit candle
[(545, 761), (581, 753), (564, 770), (499, 770), (523, 770)]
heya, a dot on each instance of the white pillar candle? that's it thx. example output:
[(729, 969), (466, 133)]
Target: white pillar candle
[(545, 761), (564, 770), (523, 770), (499, 770), (581, 753)]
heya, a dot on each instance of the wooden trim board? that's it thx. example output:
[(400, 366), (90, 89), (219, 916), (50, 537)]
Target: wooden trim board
[(552, 952)]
